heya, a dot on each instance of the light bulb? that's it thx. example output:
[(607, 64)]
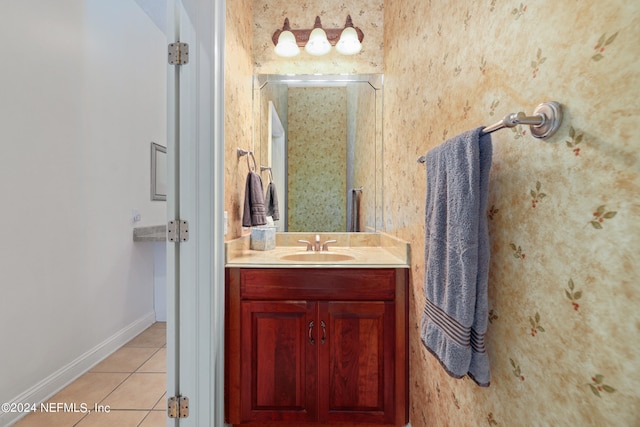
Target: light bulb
[(287, 45), (318, 44), (349, 43)]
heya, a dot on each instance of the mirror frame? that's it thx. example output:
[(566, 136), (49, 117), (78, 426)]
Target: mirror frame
[(376, 81)]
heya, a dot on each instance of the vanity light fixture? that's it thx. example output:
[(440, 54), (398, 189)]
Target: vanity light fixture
[(318, 41)]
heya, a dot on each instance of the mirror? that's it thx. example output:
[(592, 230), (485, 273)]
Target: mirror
[(158, 172), (321, 135)]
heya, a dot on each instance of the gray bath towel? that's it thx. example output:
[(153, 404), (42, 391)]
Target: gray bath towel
[(254, 211), (271, 200), (455, 316)]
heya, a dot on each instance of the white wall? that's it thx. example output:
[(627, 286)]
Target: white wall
[(160, 281), (82, 95)]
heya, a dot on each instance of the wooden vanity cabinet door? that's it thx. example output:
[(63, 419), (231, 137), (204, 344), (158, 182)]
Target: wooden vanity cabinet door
[(356, 363), (278, 361), (356, 369)]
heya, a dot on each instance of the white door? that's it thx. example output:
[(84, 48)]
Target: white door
[(195, 268)]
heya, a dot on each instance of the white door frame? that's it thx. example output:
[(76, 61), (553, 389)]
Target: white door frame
[(195, 269)]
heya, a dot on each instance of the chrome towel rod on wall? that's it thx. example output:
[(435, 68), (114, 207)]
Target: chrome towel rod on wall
[(546, 119)]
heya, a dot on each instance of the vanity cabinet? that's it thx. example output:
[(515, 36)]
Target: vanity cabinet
[(316, 346)]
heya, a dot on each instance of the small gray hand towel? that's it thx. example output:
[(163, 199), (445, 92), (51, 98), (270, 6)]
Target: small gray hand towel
[(254, 211), (271, 199), (455, 316)]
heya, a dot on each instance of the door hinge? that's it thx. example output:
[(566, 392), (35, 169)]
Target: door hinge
[(178, 407), (177, 231), (178, 53)]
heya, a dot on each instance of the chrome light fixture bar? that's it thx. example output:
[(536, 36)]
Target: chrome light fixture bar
[(317, 41)]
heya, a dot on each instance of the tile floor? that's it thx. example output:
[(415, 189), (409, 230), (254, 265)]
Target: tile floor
[(131, 383)]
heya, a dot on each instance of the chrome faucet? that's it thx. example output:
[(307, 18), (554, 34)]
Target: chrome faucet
[(311, 246), (308, 243), (325, 245), (316, 246)]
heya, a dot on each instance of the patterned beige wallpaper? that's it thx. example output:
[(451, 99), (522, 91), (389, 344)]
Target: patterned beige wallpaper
[(564, 216), (317, 153), (238, 108), (269, 16), (249, 26)]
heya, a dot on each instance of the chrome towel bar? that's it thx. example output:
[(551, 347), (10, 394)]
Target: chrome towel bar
[(546, 120)]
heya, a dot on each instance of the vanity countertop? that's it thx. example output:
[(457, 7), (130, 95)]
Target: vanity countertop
[(368, 250)]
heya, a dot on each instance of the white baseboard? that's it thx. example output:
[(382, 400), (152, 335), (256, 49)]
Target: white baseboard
[(67, 374)]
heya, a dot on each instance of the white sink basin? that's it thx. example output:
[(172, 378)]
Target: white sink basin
[(317, 257)]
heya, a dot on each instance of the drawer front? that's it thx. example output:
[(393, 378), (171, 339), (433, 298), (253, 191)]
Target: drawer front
[(318, 284)]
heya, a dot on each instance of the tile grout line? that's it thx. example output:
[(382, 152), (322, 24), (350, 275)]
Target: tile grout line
[(129, 373)]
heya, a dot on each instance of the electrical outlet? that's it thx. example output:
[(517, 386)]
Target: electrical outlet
[(135, 215)]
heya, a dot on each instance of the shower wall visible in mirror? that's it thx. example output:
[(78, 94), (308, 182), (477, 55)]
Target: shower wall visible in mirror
[(322, 137)]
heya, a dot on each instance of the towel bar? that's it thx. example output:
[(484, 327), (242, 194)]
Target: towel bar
[(267, 168), (545, 122), (242, 153)]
